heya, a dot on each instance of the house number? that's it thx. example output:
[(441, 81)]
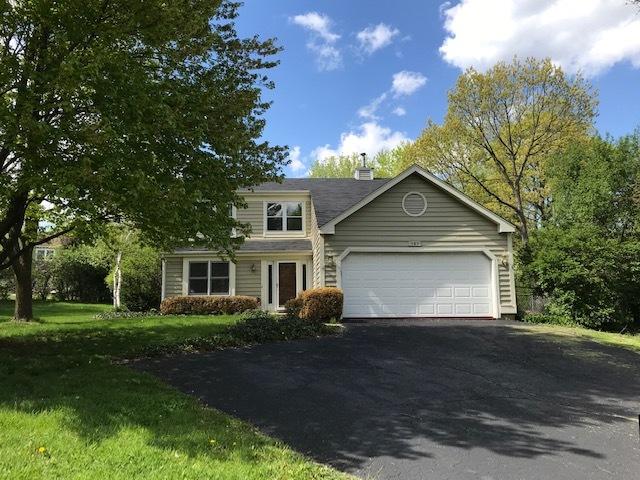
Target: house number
[(415, 244)]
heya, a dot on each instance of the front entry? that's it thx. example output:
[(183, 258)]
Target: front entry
[(287, 288)]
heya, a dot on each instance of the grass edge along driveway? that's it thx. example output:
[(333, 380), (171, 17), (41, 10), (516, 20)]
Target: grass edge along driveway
[(68, 411)]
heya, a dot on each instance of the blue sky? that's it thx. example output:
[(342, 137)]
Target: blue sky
[(362, 75)]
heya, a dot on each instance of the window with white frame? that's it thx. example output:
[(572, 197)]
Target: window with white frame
[(209, 278), (284, 216)]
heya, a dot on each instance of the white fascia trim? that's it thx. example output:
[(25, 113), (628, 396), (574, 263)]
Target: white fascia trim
[(495, 279), (252, 253), (503, 225), (272, 193)]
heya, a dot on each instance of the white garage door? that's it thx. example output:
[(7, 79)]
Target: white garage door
[(417, 284)]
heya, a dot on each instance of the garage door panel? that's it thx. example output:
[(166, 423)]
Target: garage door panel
[(421, 284)]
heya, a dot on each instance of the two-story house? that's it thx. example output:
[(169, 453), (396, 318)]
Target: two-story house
[(398, 247)]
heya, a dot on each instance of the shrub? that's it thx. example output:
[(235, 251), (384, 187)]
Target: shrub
[(42, 279), (207, 305), (141, 279), (292, 307), (79, 273), (549, 318), (121, 314), (321, 304), (257, 326)]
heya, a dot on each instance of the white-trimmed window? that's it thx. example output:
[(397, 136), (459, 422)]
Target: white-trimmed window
[(284, 216), (209, 278)]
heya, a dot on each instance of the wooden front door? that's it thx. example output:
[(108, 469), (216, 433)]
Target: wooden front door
[(286, 282)]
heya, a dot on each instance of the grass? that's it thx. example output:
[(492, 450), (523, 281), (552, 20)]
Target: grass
[(68, 411), (628, 341)]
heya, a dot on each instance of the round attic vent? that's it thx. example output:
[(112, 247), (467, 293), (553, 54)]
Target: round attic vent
[(414, 204)]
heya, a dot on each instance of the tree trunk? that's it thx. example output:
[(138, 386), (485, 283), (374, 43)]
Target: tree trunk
[(523, 228), (117, 280), (24, 286)]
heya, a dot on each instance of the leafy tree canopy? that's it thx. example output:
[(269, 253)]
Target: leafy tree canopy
[(501, 128), (386, 163), (145, 111)]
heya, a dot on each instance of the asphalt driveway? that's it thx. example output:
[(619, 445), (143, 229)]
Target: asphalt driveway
[(434, 400)]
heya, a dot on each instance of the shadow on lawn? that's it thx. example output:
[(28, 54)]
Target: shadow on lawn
[(71, 372), (396, 391)]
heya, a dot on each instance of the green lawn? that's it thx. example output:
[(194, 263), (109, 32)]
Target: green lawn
[(629, 341), (67, 411)]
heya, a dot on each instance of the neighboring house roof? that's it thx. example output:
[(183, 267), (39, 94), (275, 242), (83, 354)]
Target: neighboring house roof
[(261, 246), (331, 196), (503, 225)]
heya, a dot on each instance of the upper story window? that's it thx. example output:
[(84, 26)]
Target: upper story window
[(284, 216)]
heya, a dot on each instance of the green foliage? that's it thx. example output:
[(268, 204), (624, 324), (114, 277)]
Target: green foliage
[(121, 314), (152, 113), (385, 164), (7, 283), (43, 277), (586, 258), (258, 326), (500, 129), (79, 274), (141, 279), (547, 318)]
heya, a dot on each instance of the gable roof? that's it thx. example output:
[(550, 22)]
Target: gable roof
[(331, 196), (503, 225), (334, 199)]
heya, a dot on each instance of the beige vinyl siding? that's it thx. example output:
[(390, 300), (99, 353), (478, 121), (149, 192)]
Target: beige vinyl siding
[(316, 245), (247, 282), (253, 215), (173, 276), (446, 223)]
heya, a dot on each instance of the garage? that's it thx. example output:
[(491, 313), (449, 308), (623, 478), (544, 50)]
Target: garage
[(436, 284)]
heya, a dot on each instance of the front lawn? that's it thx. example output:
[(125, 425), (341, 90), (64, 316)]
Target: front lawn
[(629, 341), (67, 411)]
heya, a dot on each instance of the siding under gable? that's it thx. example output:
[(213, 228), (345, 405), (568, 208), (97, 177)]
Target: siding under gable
[(446, 223)]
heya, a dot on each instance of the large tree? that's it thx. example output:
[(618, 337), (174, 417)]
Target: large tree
[(144, 111), (500, 129)]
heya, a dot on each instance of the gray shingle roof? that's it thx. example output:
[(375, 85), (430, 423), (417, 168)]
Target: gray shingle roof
[(291, 245), (331, 196)]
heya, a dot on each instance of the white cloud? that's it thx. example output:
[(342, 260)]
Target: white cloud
[(323, 41), (296, 163), (317, 23), (370, 137), (404, 83), (587, 35), (375, 38), (407, 83), (368, 112)]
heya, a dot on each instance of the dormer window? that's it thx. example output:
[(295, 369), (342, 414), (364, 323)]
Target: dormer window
[(284, 216)]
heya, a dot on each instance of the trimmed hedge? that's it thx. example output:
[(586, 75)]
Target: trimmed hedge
[(317, 304), (207, 305)]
